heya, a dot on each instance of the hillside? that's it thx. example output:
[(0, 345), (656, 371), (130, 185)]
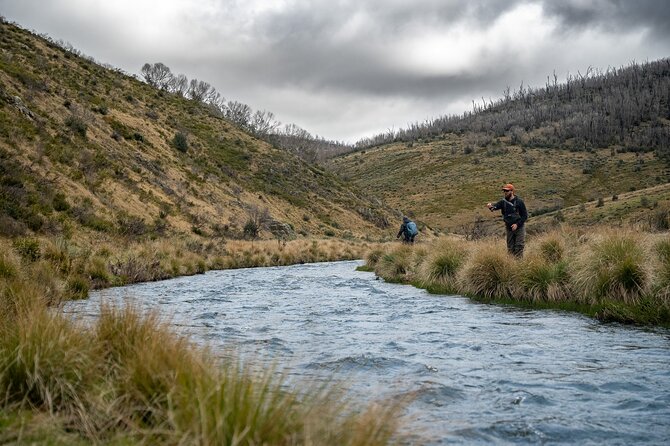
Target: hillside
[(446, 182), (89, 151)]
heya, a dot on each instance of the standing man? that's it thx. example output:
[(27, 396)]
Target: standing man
[(514, 215)]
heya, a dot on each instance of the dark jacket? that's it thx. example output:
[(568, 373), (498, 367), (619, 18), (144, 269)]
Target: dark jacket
[(513, 211), (403, 229)]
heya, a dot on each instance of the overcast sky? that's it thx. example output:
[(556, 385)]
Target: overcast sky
[(348, 69)]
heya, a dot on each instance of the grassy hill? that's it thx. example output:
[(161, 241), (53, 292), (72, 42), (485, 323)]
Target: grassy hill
[(88, 151), (445, 180)]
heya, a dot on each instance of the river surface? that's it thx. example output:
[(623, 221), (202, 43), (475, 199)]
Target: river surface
[(479, 374)]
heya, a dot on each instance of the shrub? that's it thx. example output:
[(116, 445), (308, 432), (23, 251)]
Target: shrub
[(613, 269), (28, 249), (395, 264), (489, 272), (251, 229), (441, 266), (77, 125), (180, 142), (60, 202)]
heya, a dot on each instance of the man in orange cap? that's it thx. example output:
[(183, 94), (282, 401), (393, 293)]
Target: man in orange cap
[(514, 214)]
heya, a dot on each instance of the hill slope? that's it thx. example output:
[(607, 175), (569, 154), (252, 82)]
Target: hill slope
[(592, 137), (87, 149)]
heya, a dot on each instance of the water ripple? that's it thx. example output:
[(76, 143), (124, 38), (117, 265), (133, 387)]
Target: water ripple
[(475, 374)]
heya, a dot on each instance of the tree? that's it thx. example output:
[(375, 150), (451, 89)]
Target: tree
[(157, 75), (238, 112), (263, 123), (178, 85), (200, 91)]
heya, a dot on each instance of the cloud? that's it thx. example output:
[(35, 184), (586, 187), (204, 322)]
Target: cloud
[(339, 67)]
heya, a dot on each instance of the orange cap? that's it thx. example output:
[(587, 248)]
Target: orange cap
[(508, 186)]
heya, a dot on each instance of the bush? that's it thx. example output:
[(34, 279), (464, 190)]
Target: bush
[(77, 125), (489, 273), (441, 266), (60, 202), (180, 142), (28, 249), (613, 269), (251, 229)]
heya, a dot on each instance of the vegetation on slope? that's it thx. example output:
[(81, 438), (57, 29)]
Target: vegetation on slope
[(86, 147), (446, 183), (627, 107)]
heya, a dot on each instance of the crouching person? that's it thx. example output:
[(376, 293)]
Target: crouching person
[(408, 230)]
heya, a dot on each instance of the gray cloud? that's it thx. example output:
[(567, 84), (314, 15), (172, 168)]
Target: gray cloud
[(613, 15), (349, 68)]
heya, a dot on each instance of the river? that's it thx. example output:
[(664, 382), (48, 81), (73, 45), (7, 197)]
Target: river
[(479, 374)]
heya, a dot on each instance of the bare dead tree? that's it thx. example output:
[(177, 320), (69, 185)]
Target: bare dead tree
[(157, 75)]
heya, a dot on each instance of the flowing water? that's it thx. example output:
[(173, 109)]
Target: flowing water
[(478, 374)]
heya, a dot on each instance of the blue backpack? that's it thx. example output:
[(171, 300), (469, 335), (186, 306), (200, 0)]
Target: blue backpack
[(412, 229)]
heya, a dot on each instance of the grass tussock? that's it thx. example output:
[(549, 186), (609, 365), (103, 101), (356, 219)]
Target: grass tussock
[(440, 268), (662, 269), (614, 268), (395, 265), (489, 272), (128, 377), (617, 276)]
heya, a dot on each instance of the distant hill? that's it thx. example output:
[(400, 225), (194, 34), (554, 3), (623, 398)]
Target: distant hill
[(627, 107), (596, 137), (85, 149)]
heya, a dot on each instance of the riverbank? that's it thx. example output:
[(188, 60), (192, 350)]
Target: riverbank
[(609, 274), (127, 379)]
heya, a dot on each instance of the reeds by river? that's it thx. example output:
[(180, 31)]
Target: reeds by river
[(127, 379), (614, 275)]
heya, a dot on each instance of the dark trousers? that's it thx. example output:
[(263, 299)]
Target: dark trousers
[(516, 240)]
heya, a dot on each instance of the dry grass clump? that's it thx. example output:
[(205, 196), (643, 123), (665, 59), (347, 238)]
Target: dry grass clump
[(489, 272), (396, 263), (45, 362), (662, 270), (541, 280), (613, 268), (373, 256), (441, 265)]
